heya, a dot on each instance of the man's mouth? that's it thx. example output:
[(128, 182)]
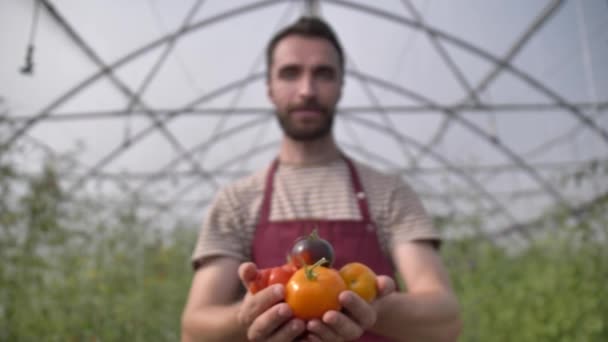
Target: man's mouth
[(306, 112)]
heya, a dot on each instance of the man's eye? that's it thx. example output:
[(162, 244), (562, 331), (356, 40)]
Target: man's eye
[(326, 74), (288, 73)]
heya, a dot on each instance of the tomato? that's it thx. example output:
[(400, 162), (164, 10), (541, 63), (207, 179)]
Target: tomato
[(360, 279), (314, 290), (269, 276), (260, 282), (310, 249), (282, 274)]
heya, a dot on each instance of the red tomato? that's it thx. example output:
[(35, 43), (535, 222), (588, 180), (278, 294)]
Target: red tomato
[(314, 290), (281, 275), (270, 276), (360, 279), (260, 282)]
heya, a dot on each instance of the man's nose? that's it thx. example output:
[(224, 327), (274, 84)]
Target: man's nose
[(307, 87)]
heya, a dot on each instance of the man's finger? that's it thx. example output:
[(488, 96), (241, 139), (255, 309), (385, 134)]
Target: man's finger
[(322, 330), (342, 325), (264, 326), (386, 285), (358, 309), (247, 272), (254, 305), (289, 331), (313, 338)]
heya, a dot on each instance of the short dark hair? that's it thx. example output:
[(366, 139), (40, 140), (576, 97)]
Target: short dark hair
[(311, 27)]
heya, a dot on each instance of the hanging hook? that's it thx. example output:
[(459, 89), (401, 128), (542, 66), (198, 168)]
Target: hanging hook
[(28, 68)]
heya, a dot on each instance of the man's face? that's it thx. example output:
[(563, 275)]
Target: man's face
[(305, 84)]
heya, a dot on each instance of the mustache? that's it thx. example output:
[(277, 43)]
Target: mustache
[(310, 105)]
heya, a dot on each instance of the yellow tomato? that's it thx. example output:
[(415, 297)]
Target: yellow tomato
[(360, 279)]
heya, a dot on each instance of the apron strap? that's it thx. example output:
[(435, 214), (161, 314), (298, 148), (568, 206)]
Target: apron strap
[(360, 196), (267, 201)]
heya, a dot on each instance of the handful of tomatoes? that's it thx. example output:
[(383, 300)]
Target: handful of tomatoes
[(312, 285)]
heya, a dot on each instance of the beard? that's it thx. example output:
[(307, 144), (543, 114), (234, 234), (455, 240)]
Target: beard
[(307, 132)]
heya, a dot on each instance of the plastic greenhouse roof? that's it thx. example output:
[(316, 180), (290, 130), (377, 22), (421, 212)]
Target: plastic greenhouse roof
[(487, 108)]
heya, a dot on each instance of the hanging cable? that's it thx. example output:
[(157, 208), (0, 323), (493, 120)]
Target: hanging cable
[(28, 68)]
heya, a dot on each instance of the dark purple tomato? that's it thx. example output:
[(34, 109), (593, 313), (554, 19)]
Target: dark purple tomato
[(307, 250)]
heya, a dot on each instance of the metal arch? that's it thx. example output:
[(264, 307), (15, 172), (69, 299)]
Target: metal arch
[(143, 87), (442, 51), (569, 135), (538, 22), (384, 84), (45, 112), (472, 127), (170, 116), (447, 59), (192, 185), (580, 211), (383, 115), (205, 145), (445, 199), (442, 160), (240, 90), (470, 180), (473, 94), (312, 8), (480, 52), (134, 98), (184, 153), (496, 168), (505, 108), (265, 3), (143, 133)]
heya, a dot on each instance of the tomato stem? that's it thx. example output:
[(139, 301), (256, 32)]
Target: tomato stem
[(314, 235), (309, 270)]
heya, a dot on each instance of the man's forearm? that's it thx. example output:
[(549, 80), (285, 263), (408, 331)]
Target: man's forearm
[(419, 317), (212, 323)]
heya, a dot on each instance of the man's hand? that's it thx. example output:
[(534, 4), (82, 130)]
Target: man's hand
[(264, 316), (356, 317)]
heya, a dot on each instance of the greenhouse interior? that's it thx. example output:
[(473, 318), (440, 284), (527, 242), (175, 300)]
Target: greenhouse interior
[(121, 120)]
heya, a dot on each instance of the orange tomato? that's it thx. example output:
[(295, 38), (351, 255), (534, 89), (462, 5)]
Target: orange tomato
[(314, 290), (360, 279)]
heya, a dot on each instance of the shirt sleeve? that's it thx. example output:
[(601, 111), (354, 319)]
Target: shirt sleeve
[(408, 219), (220, 233)]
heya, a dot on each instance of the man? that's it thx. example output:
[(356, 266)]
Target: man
[(368, 217)]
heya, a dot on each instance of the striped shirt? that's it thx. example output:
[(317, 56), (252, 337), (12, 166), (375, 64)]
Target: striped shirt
[(311, 192)]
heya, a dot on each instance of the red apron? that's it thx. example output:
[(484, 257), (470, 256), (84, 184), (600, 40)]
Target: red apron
[(353, 240)]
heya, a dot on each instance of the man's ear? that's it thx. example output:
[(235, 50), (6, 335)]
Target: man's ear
[(341, 88), (269, 90)]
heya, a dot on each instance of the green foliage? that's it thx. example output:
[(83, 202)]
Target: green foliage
[(86, 280), (70, 274), (554, 290)]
